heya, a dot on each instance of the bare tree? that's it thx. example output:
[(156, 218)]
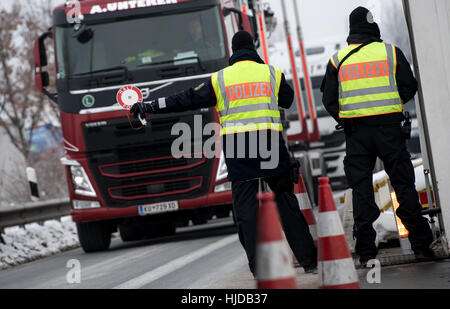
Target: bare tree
[(21, 105), (51, 175), (23, 108), (14, 184)]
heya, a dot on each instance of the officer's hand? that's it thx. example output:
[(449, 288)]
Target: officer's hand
[(143, 108), (138, 109)]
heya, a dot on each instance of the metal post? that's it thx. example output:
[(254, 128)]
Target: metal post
[(32, 181), (304, 135), (315, 134), (262, 30), (2, 231), (243, 6)]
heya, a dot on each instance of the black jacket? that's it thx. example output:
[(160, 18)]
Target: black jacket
[(203, 96), (406, 83)]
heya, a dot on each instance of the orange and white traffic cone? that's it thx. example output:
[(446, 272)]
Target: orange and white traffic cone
[(335, 264), (305, 207), (273, 260)]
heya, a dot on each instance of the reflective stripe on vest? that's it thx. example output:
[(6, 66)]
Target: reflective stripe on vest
[(367, 84), (247, 97)]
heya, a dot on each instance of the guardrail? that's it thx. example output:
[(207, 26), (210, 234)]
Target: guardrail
[(34, 212)]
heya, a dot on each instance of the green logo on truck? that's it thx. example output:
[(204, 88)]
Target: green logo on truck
[(88, 100)]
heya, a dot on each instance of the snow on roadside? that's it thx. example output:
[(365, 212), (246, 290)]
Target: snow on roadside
[(34, 241)]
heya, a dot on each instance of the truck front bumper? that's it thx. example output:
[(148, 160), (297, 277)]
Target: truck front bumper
[(106, 213)]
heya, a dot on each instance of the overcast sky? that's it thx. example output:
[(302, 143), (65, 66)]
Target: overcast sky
[(319, 18)]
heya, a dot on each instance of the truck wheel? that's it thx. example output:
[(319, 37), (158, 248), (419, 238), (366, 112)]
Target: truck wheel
[(129, 232), (160, 230), (183, 223), (94, 236), (223, 214), (200, 220), (168, 229)]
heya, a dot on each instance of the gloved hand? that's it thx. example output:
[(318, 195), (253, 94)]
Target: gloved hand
[(143, 108)]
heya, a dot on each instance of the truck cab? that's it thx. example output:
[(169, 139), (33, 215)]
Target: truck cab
[(122, 175)]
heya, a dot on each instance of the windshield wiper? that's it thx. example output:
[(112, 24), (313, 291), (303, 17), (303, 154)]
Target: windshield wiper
[(124, 68), (199, 61)]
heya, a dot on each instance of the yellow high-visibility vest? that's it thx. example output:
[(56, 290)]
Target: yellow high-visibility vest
[(247, 97), (367, 83)]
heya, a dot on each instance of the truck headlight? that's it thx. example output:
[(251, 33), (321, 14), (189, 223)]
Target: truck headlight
[(80, 181), (222, 171)]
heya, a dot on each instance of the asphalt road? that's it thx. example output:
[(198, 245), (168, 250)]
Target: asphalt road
[(196, 257)]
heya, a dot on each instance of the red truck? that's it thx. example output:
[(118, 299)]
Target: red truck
[(120, 176)]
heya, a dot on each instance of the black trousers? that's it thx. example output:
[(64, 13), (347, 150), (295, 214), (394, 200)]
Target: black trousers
[(245, 206), (364, 145)]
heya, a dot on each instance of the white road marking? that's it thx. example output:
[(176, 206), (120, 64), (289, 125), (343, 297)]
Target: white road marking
[(176, 264), (222, 276), (108, 266)]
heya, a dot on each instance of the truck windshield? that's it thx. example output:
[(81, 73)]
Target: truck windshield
[(148, 42)]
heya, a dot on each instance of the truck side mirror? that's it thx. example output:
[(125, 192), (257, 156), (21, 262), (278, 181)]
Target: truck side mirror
[(41, 78), (39, 59), (227, 11)]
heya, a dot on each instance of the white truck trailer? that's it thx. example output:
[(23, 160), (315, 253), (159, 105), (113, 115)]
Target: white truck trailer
[(429, 29)]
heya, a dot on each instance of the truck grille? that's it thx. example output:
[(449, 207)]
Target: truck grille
[(137, 167), (149, 166), (156, 189)]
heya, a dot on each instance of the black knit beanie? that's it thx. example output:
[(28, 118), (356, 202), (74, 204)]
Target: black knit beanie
[(361, 22), (242, 40)]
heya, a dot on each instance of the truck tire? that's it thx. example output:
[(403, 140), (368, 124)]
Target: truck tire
[(168, 229), (223, 213), (129, 232), (158, 230), (183, 223), (94, 236), (199, 220)]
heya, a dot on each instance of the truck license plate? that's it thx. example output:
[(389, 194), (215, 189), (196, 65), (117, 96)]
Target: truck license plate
[(158, 208)]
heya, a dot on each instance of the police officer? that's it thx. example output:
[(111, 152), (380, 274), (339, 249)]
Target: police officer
[(366, 96), (247, 95)]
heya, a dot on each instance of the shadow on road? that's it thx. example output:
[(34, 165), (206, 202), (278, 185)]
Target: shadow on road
[(213, 229)]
